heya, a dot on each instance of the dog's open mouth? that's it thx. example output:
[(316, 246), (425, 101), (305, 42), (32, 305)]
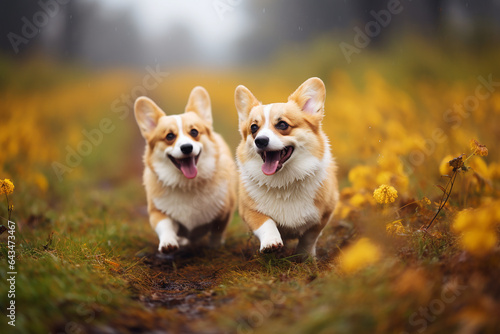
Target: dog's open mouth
[(274, 160), (186, 165)]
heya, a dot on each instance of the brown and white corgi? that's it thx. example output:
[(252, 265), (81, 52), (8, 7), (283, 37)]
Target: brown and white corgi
[(189, 175), (288, 186)]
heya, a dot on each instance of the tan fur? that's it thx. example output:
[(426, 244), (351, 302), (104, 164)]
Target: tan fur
[(247, 211), (155, 126), (226, 171), (303, 113)]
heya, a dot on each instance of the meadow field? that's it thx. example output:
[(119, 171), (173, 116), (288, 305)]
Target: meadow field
[(85, 256)]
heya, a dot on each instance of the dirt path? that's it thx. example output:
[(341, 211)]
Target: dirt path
[(182, 284)]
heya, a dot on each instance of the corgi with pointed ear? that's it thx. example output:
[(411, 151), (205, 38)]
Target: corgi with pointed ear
[(288, 186), (189, 173)]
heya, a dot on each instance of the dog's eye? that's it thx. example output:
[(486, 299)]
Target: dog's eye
[(170, 136), (193, 133), (282, 125), (254, 128)]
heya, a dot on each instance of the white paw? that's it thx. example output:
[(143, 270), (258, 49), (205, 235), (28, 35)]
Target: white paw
[(167, 233), (272, 245), (269, 236), (168, 246)]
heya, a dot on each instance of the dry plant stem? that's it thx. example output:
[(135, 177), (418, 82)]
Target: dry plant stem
[(9, 210), (398, 215), (444, 199), (404, 206)]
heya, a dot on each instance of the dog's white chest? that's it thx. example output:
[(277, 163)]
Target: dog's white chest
[(289, 203), (291, 207), (195, 207)]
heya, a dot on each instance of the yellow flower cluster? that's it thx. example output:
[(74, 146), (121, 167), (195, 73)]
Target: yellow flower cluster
[(389, 170), (478, 149), (444, 166), (385, 194), (364, 178), (37, 125), (360, 255), (358, 200), (360, 176), (478, 228), (6, 187), (395, 227)]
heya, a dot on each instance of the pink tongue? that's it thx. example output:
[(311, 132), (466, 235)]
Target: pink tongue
[(272, 160), (188, 167)]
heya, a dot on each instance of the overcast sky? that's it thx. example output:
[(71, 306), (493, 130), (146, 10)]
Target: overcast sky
[(214, 24)]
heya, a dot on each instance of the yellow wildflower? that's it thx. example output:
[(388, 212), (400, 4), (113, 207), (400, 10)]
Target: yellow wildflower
[(457, 163), (361, 177), (468, 219), (479, 242), (494, 170), (6, 187), (478, 149), (395, 227), (41, 182), (358, 200), (481, 167), (385, 194), (342, 211), (390, 162), (478, 227), (360, 255), (384, 177), (426, 200), (444, 167)]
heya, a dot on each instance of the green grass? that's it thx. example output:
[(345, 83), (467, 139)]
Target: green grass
[(92, 266)]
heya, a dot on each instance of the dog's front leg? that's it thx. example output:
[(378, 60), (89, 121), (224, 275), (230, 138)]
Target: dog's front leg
[(269, 236), (217, 230), (166, 229), (307, 241), (264, 228)]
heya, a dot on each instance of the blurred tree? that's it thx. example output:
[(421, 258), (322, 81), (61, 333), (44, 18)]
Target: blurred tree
[(11, 18), (83, 30), (282, 21)]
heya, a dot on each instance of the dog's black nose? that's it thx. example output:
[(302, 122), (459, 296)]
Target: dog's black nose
[(186, 148), (261, 142)]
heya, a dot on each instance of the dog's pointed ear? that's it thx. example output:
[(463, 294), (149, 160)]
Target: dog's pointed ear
[(310, 96), (244, 101), (199, 102), (147, 115)]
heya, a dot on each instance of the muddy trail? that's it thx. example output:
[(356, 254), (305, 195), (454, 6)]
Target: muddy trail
[(186, 280), (177, 293), (181, 292), (182, 285)]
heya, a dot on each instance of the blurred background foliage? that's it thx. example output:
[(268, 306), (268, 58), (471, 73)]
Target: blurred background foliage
[(390, 105), (396, 106), (418, 87)]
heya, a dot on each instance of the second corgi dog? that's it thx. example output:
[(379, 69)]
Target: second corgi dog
[(288, 185), (189, 174)]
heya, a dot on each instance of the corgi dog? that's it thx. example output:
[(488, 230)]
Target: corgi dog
[(189, 173), (288, 186)]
